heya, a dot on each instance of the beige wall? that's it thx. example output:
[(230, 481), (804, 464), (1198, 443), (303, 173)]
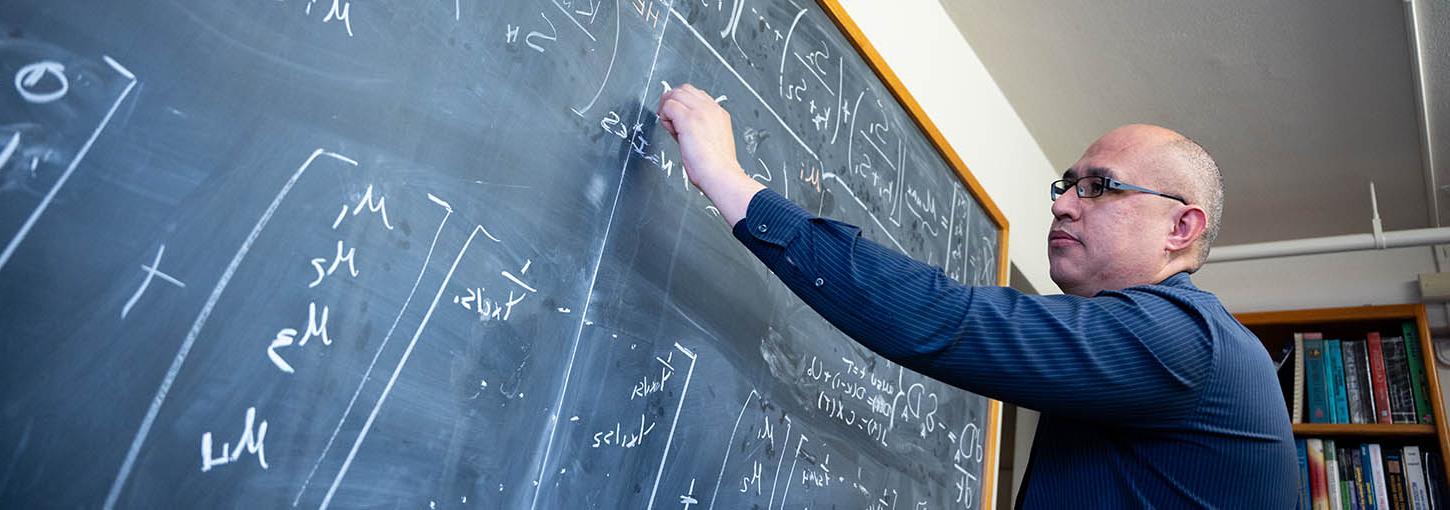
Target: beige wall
[(1319, 281)]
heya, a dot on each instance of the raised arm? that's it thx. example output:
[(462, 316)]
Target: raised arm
[(1133, 356), (707, 147)]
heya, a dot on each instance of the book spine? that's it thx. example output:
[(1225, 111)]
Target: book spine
[(1346, 478), (1435, 478), (1318, 485), (1349, 457), (1334, 380), (1377, 471), (1418, 382), (1301, 447), (1395, 479), (1415, 479), (1331, 474), (1397, 373), (1377, 378), (1364, 476), (1367, 386), (1297, 415), (1314, 379), (1353, 354)]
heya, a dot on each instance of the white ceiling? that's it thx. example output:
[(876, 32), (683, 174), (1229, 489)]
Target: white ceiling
[(1302, 102)]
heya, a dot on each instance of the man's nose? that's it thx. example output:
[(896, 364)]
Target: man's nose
[(1067, 206)]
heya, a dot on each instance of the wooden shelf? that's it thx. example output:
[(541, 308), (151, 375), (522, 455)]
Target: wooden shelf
[(1365, 430), (1320, 315), (1276, 329)]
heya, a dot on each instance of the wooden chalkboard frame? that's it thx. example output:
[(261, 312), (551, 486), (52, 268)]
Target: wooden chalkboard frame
[(898, 90)]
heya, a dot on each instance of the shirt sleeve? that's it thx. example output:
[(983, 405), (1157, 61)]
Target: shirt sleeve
[(1136, 356)]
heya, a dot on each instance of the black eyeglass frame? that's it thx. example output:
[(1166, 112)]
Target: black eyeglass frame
[(1061, 186)]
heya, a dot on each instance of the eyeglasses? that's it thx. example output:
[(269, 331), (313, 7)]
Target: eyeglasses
[(1093, 186)]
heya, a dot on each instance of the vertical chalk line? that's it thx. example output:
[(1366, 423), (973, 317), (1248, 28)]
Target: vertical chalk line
[(729, 445), (553, 426), (196, 325), (367, 374), (373, 415), (664, 457)]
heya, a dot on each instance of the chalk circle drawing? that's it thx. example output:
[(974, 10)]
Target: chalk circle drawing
[(28, 81)]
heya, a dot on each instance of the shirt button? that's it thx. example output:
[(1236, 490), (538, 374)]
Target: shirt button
[(820, 282), (762, 228)]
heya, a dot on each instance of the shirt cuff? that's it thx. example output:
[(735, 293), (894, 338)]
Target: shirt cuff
[(771, 218)]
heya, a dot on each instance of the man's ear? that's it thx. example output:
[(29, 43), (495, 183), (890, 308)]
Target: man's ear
[(1188, 227)]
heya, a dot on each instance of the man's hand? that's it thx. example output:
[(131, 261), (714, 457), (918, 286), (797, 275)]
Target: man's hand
[(707, 147)]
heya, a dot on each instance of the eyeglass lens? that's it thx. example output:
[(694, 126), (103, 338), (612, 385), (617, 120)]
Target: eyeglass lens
[(1090, 186), (1086, 187)]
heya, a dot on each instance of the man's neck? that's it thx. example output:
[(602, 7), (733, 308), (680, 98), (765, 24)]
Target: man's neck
[(1092, 290)]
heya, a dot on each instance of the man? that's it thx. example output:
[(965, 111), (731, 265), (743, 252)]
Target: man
[(1151, 394)]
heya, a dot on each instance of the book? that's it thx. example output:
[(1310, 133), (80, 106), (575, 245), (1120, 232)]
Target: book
[(1367, 384), (1434, 478), (1363, 497), (1418, 382), (1305, 496), (1378, 382), (1395, 479), (1331, 474), (1364, 476), (1348, 492), (1318, 485), (1286, 377), (1334, 381), (1314, 381), (1415, 479), (1356, 391), (1397, 374), (1377, 472), (1297, 411)]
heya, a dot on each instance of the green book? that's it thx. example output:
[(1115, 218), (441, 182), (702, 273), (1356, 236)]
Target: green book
[(1417, 373)]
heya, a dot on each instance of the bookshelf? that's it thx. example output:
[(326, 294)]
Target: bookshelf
[(1275, 329)]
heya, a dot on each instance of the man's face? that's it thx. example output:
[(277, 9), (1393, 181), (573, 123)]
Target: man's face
[(1115, 240)]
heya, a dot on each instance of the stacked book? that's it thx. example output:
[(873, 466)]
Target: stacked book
[(1376, 379), (1342, 475)]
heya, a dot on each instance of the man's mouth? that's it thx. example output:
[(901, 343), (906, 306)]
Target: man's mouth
[(1061, 238)]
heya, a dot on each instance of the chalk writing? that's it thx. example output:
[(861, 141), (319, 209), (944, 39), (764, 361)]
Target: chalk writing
[(316, 327), (151, 272), (624, 438), (337, 259), (251, 441), (28, 82), (338, 10)]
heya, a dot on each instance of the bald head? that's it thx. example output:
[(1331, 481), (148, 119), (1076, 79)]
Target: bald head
[(1179, 165)]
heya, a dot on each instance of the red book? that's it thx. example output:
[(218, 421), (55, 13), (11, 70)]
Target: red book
[(1377, 378), (1318, 478)]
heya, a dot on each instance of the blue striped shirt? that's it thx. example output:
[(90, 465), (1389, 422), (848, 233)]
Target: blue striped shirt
[(1151, 396)]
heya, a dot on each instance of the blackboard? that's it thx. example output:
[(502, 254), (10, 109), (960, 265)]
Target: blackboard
[(313, 253)]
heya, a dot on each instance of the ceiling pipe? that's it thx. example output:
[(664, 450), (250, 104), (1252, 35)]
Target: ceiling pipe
[(1376, 239), (1332, 244), (1432, 188)]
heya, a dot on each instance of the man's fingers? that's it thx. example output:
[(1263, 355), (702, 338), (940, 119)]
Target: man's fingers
[(689, 108), (670, 110), (697, 93)]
